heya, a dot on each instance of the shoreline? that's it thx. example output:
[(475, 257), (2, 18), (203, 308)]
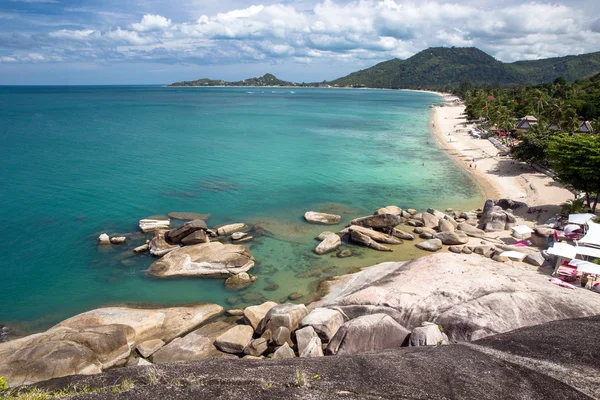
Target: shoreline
[(498, 176)]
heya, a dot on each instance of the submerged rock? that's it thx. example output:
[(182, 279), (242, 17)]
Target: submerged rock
[(188, 216), (208, 260), (329, 244), (239, 281), (322, 218), (118, 239), (151, 225), (231, 228), (365, 240)]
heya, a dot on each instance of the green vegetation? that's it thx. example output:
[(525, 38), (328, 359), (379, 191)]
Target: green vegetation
[(125, 385), (265, 80), (443, 68), (3, 383), (33, 393)]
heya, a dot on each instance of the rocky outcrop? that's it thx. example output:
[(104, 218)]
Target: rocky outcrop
[(471, 297), (365, 240), (204, 260), (287, 315), (284, 351), (149, 347), (381, 221), (494, 218), (196, 237), (428, 334), (315, 217), (196, 345), (309, 343), (238, 281), (253, 315), (394, 210), (231, 228), (452, 238), (471, 230), (329, 244), (324, 321), (445, 226), (151, 225), (188, 215), (430, 245), (430, 220), (400, 234), (235, 339), (367, 333)]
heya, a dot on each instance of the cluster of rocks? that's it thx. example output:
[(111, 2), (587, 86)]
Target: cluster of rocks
[(104, 239)]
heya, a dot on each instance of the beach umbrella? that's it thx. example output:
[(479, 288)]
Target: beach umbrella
[(571, 228)]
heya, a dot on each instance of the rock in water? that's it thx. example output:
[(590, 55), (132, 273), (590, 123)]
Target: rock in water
[(382, 221), (103, 239), (323, 235), (231, 228), (239, 281), (235, 340), (367, 333), (452, 238), (430, 245), (360, 238), (210, 260), (197, 237), (329, 244), (322, 218), (158, 245), (238, 235), (379, 237), (118, 239), (174, 236), (471, 297), (188, 216), (151, 225), (141, 249), (395, 210)]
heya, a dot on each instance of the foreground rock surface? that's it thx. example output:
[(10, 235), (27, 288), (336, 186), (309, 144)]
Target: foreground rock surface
[(522, 364), (204, 260), (471, 297)]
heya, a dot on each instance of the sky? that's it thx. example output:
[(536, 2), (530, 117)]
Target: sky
[(69, 42)]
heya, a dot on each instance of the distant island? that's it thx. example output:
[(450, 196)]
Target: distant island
[(443, 68)]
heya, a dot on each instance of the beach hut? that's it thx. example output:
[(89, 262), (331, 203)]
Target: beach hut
[(525, 123)]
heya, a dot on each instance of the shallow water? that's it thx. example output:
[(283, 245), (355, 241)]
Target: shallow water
[(79, 161)]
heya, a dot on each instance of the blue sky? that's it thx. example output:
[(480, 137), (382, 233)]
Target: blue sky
[(151, 41)]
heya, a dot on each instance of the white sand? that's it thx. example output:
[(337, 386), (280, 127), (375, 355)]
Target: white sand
[(498, 176)]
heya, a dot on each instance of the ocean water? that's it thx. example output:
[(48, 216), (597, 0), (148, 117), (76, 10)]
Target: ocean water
[(79, 161)]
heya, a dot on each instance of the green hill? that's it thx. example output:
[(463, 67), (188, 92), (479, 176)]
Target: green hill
[(265, 80), (440, 67)]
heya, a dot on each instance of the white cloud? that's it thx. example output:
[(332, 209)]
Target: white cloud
[(151, 22), (332, 31)]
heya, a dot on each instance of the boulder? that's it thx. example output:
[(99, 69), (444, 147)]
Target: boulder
[(445, 226), (141, 249), (367, 333), (365, 240), (282, 335), (196, 345), (158, 245), (438, 214), (470, 296), (235, 340), (235, 312), (471, 230), (295, 296), (456, 249), (174, 236), (204, 260), (422, 229), (542, 237), (414, 222), (238, 281), (486, 251), (494, 218), (411, 211), (426, 236), (323, 235), (345, 253), (149, 347), (429, 334), (452, 238), (284, 351), (231, 228), (382, 221), (188, 215), (309, 343), (430, 245), (497, 256), (329, 244), (238, 235), (394, 210), (103, 239), (161, 323), (151, 225), (253, 315), (400, 234), (430, 220), (196, 237), (536, 259), (324, 321), (256, 347), (118, 239), (288, 315), (315, 217), (379, 237), (245, 239), (510, 204)]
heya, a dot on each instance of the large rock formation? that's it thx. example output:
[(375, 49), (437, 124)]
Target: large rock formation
[(365, 240), (494, 218), (470, 296), (158, 245), (175, 236), (379, 237), (381, 221), (204, 260)]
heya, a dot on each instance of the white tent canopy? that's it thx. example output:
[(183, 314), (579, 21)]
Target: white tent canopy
[(588, 251), (522, 229), (592, 237), (580, 219), (513, 255), (586, 266), (563, 250)]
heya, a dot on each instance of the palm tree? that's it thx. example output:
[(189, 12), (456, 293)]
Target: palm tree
[(541, 100), (569, 121)]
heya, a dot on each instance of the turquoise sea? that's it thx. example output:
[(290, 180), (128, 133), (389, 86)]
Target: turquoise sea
[(79, 161)]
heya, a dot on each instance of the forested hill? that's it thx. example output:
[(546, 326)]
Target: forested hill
[(265, 80), (442, 67)]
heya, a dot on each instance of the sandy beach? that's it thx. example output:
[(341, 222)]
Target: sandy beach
[(498, 176)]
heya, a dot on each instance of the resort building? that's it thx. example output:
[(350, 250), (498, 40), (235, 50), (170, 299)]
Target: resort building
[(525, 123)]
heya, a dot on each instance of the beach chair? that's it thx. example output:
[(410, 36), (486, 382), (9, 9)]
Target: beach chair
[(567, 272)]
